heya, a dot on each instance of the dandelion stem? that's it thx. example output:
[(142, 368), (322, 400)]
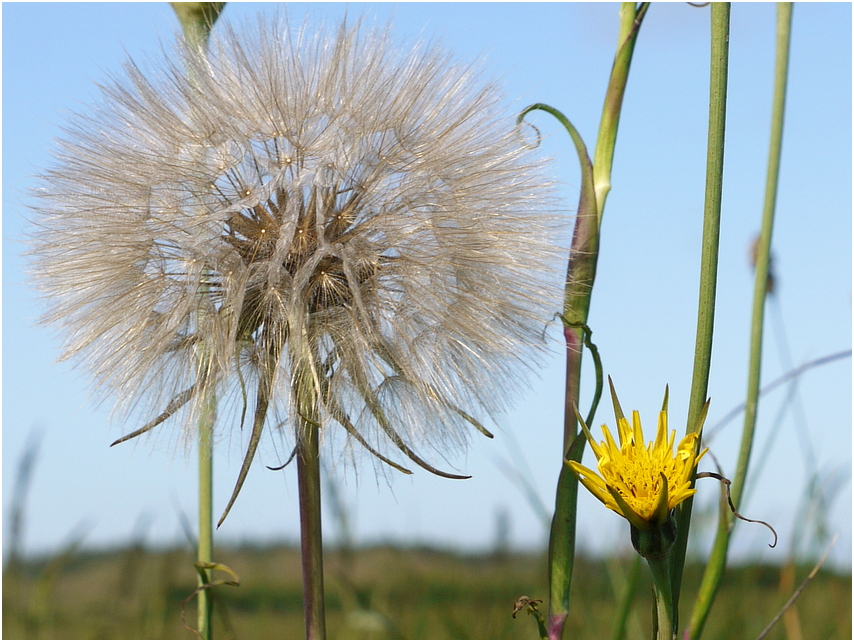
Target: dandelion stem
[(708, 261), (197, 20), (205, 549), (311, 536), (717, 560)]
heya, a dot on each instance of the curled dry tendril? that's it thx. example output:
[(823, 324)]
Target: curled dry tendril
[(727, 483)]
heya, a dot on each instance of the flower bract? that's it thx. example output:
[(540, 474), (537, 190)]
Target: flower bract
[(641, 481), (309, 226)]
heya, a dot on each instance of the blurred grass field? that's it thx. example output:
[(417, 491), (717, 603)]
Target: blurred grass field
[(384, 592)]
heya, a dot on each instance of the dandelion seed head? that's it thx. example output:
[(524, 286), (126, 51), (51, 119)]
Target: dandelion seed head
[(302, 206)]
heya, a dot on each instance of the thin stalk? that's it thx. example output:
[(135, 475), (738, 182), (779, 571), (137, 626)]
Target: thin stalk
[(197, 20), (581, 274), (717, 561), (205, 549), (311, 535), (665, 599), (720, 13)]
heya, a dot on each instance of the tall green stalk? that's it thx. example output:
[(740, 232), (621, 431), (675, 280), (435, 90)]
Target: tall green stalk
[(717, 560), (720, 13), (581, 273), (197, 20), (205, 547), (666, 622), (311, 534)]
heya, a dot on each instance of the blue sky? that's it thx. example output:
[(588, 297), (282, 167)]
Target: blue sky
[(643, 313)]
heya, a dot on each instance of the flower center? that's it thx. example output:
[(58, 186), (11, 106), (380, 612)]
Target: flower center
[(638, 479), (318, 222)]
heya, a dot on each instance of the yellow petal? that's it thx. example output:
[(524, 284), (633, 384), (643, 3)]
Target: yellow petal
[(609, 442), (640, 481), (626, 511), (592, 482), (661, 434), (637, 431), (596, 449), (624, 431), (662, 507)]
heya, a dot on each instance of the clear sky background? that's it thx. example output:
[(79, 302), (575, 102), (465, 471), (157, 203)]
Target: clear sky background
[(643, 313)]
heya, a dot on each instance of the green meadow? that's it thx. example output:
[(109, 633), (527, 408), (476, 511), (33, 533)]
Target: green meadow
[(388, 592)]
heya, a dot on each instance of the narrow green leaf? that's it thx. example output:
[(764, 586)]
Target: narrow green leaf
[(216, 566)]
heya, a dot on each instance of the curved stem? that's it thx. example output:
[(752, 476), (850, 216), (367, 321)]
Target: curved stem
[(581, 273)]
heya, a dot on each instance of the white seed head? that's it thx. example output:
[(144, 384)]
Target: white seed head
[(302, 209)]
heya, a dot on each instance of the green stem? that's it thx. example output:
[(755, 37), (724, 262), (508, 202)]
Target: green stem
[(311, 536), (717, 560), (205, 551), (665, 598), (708, 262), (197, 20), (784, 23)]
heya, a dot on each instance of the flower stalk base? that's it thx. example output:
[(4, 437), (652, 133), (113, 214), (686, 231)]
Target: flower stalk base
[(311, 538), (655, 545), (665, 608)]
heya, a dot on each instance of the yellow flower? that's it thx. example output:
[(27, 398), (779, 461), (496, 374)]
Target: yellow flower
[(642, 482)]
